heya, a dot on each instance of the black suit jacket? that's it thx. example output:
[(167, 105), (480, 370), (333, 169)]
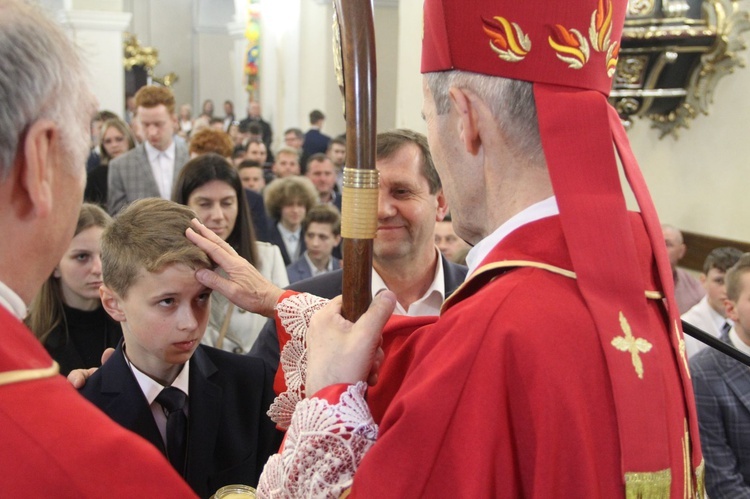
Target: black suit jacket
[(275, 237), (329, 285), (315, 142), (258, 214), (230, 437)]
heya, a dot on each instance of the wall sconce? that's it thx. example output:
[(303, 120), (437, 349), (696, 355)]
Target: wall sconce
[(673, 54)]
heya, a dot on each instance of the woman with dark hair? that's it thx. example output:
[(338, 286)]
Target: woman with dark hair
[(67, 314), (212, 188), (115, 140)]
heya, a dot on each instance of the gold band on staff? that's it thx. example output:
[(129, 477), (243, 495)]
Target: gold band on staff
[(359, 204)]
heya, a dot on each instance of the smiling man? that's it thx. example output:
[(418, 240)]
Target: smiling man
[(405, 259), (151, 168)]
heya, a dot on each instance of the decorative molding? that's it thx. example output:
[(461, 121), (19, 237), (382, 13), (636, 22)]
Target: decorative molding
[(669, 65), (97, 20)]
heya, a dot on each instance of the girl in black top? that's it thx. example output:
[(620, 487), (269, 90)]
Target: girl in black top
[(67, 314)]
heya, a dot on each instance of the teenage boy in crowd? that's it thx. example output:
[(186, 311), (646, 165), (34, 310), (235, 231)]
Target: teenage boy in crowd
[(322, 229)]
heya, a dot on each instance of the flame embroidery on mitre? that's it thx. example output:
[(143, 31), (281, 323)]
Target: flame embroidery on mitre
[(612, 54), (571, 46), (600, 32), (507, 39)]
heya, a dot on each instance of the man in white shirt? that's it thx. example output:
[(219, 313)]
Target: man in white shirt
[(709, 314), (405, 258), (54, 442), (151, 168)]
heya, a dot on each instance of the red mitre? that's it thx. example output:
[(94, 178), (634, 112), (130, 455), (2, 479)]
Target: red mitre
[(568, 49)]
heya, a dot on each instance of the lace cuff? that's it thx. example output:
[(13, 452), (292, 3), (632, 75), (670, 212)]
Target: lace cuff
[(294, 314), (323, 448)]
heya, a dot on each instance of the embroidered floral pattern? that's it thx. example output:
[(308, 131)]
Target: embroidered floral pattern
[(323, 448), (295, 313), (571, 46), (507, 39)]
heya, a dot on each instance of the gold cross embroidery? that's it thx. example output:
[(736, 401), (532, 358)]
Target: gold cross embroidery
[(681, 342), (629, 343)]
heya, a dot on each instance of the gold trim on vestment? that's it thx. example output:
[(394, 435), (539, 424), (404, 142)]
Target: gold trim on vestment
[(700, 479), (10, 377), (687, 486), (650, 294), (654, 485), (681, 343), (345, 493)]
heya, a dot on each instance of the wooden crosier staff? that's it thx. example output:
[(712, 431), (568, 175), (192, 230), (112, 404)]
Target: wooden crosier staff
[(354, 48)]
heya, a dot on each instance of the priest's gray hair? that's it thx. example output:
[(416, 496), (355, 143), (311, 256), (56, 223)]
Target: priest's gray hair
[(41, 77)]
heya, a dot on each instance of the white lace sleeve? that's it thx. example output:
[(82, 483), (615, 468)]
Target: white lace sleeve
[(295, 313), (323, 448)]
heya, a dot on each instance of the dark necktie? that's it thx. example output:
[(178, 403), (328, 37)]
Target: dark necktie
[(725, 331), (173, 402)]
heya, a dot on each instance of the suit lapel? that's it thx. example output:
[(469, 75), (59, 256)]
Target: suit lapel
[(180, 158), (126, 403), (204, 417), (737, 377), (453, 275), (150, 187)]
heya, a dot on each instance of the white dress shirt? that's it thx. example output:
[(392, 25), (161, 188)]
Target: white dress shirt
[(706, 318), (737, 343), (291, 241), (429, 303), (537, 211), (315, 270), (151, 389), (162, 166), (12, 302)]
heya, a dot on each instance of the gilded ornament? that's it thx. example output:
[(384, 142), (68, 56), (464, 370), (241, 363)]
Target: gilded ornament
[(641, 7)]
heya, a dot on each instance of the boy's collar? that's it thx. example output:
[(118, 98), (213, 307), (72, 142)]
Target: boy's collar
[(150, 387)]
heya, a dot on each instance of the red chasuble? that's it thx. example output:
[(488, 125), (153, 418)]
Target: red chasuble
[(56, 444), (508, 393)]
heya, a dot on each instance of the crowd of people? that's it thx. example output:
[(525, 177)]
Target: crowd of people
[(193, 297)]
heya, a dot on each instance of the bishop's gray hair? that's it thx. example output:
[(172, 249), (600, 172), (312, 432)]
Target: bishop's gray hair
[(510, 101)]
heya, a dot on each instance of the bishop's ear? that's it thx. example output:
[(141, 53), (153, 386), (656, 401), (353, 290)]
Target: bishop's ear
[(464, 104), (112, 303)]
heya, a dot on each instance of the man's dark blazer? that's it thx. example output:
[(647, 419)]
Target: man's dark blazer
[(315, 142), (722, 397), (300, 270), (275, 237), (130, 177), (230, 437), (258, 214), (329, 285)]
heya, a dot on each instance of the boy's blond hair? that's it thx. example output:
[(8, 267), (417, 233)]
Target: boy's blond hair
[(149, 234), (733, 277)]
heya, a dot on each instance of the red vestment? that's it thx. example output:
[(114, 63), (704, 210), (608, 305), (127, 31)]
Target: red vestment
[(508, 393), (56, 444)]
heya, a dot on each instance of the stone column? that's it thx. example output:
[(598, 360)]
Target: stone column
[(100, 35)]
